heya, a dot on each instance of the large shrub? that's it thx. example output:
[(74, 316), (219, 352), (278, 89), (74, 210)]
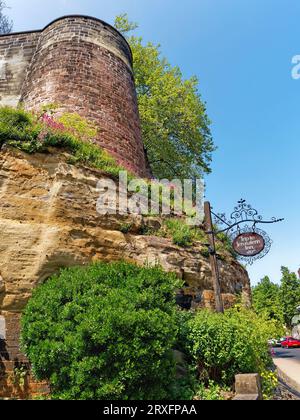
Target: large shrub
[(103, 332), (223, 345)]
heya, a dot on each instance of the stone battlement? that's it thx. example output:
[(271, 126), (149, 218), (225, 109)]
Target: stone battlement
[(84, 65)]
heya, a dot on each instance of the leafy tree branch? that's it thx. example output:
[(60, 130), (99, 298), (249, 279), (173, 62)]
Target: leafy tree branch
[(175, 125)]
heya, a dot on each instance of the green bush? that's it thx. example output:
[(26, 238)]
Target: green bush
[(185, 235), (212, 392), (225, 244), (103, 332), (18, 127), (16, 118), (126, 228), (223, 345), (181, 233)]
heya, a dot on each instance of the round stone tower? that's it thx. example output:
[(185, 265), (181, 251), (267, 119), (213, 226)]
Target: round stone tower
[(85, 65)]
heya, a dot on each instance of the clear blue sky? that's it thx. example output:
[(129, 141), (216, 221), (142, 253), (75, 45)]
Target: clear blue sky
[(241, 50)]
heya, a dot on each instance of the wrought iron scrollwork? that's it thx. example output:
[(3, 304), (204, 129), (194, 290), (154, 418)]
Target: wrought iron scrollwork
[(244, 219)]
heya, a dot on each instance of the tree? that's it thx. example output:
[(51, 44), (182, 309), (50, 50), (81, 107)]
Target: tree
[(104, 332), (289, 294), (6, 24), (223, 345), (175, 125), (267, 300)]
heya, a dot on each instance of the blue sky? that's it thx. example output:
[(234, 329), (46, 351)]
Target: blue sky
[(241, 51)]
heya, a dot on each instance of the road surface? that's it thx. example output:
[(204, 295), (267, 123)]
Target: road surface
[(288, 365), (291, 354)]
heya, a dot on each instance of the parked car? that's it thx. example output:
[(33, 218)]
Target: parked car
[(290, 343), (275, 343)]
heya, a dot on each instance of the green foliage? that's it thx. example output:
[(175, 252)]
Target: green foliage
[(267, 300), (17, 118), (183, 388), (223, 345), (90, 155), (6, 24), (180, 232), (19, 127), (49, 108), (82, 128), (124, 25), (212, 392), (278, 301), (269, 383), (289, 294), (126, 228), (185, 235), (184, 320), (103, 332), (29, 133), (19, 375), (174, 121), (224, 243)]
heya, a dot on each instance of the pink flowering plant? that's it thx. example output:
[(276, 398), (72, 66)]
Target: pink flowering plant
[(51, 124), (33, 132)]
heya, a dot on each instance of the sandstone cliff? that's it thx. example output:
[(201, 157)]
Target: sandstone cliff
[(48, 220)]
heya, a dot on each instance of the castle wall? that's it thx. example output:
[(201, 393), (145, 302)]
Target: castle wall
[(16, 53), (84, 65)]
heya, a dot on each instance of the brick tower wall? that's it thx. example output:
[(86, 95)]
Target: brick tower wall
[(16, 52), (84, 65), (12, 362)]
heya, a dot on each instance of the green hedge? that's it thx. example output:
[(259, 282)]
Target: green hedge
[(104, 332), (223, 345)]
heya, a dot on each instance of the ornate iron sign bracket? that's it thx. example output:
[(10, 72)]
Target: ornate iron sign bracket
[(244, 220), (249, 242)]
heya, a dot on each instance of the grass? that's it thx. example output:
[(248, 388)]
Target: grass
[(31, 133), (181, 233), (187, 236)]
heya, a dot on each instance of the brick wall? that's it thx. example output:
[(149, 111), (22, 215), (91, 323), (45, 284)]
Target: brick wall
[(12, 360), (85, 66), (16, 52)]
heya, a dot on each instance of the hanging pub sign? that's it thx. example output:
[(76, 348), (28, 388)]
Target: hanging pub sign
[(248, 242)]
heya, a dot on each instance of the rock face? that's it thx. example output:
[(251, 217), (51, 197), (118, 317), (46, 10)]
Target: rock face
[(48, 220)]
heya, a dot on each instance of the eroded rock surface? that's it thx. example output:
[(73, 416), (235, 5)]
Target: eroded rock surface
[(48, 220)]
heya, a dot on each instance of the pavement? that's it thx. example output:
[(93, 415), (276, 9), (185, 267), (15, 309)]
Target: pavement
[(288, 366)]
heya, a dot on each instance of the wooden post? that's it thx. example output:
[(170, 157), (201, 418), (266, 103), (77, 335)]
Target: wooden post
[(213, 258)]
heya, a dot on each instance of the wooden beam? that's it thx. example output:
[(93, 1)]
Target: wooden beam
[(213, 258)]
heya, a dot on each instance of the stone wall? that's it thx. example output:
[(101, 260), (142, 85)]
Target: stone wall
[(13, 362), (84, 65), (16, 52)]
